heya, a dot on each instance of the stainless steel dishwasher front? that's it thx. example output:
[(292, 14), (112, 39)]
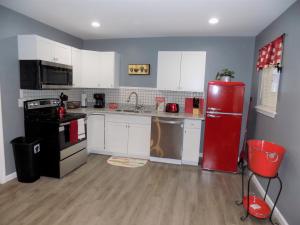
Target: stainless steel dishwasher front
[(166, 140)]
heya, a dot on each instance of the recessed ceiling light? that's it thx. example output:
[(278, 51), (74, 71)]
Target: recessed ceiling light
[(213, 21), (95, 24)]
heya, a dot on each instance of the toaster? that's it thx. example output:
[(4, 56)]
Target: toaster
[(172, 108)]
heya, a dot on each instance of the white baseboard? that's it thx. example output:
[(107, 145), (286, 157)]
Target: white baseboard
[(190, 163), (9, 177), (277, 214), (165, 160)]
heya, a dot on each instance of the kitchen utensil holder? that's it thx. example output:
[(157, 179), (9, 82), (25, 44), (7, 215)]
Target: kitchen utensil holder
[(243, 167)]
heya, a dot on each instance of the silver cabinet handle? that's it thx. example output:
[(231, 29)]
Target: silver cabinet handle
[(212, 116)]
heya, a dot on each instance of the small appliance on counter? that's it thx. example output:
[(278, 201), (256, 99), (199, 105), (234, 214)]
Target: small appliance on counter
[(172, 108), (100, 100), (83, 100)]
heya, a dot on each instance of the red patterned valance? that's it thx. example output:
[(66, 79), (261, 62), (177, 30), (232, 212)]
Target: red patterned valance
[(271, 54)]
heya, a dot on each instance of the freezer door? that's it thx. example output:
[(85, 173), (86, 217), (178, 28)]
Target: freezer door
[(221, 142), (225, 98)]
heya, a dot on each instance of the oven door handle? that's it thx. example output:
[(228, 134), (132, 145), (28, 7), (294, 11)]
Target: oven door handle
[(64, 124)]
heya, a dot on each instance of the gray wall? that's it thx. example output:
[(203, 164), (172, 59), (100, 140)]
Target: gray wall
[(236, 53), (284, 129), (12, 24)]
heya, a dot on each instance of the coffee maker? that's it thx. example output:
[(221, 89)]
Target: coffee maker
[(100, 100)]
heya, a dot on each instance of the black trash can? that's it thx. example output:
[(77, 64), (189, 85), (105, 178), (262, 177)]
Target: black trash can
[(27, 158)]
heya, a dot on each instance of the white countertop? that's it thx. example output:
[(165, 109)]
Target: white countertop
[(91, 110)]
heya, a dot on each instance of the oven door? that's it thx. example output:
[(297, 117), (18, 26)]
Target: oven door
[(55, 76), (65, 135)]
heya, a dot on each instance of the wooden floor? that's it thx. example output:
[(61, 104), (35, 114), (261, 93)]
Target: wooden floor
[(98, 193)]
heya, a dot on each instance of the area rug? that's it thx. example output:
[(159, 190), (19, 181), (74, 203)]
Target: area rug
[(126, 162)]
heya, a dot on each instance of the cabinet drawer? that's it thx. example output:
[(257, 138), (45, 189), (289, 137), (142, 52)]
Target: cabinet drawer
[(128, 119), (192, 124)]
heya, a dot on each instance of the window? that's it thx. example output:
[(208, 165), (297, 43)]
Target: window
[(268, 91)]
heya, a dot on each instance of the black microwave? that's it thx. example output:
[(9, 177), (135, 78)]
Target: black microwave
[(38, 74)]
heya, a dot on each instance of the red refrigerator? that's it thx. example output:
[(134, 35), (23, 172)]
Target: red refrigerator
[(224, 112)]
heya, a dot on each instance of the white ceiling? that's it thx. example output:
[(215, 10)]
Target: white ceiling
[(152, 18)]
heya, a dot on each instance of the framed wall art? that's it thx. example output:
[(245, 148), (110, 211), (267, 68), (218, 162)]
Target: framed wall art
[(138, 69)]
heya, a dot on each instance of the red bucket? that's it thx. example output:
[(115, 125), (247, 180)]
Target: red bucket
[(264, 157)]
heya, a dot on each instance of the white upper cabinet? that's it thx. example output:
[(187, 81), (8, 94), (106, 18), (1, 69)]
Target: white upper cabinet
[(99, 69), (181, 70), (192, 71), (76, 64), (33, 47), (168, 70)]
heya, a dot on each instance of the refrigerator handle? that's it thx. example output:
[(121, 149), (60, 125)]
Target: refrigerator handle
[(212, 116), (213, 109)]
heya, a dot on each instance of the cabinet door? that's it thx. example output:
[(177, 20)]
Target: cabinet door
[(95, 133), (76, 64), (191, 146), (45, 49), (139, 140), (62, 53), (116, 137), (168, 70), (192, 71), (91, 69), (107, 69)]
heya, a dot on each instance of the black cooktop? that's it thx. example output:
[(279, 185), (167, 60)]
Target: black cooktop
[(63, 119)]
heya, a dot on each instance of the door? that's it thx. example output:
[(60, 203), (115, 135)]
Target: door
[(221, 142), (191, 145), (139, 140), (107, 70), (225, 97), (168, 70), (95, 133), (45, 50), (76, 64), (116, 137), (192, 71), (62, 53), (91, 69)]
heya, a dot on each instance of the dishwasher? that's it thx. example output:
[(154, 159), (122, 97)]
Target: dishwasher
[(166, 140)]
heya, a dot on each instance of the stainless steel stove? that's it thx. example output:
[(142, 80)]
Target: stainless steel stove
[(60, 154)]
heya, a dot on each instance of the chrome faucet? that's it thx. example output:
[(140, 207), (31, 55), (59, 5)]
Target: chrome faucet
[(136, 99)]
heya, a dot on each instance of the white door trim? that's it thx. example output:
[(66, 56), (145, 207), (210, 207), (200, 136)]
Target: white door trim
[(2, 156)]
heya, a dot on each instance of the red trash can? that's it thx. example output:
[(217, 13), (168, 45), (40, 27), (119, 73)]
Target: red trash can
[(264, 158)]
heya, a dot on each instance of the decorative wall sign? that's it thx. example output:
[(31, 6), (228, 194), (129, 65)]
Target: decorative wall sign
[(138, 69)]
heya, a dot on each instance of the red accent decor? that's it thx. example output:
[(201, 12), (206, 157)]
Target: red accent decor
[(73, 131), (270, 54), (188, 106), (264, 157), (257, 207)]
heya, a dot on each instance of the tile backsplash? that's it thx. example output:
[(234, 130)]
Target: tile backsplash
[(146, 96)]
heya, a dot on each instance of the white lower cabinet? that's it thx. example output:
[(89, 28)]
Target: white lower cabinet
[(128, 135), (95, 133), (139, 140), (116, 137), (191, 142)]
